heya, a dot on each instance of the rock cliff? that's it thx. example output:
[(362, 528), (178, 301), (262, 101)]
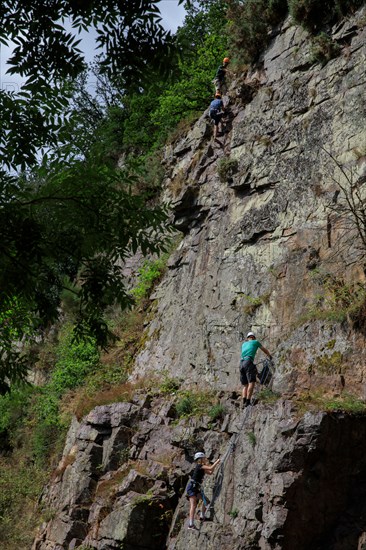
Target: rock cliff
[(262, 244), (271, 244)]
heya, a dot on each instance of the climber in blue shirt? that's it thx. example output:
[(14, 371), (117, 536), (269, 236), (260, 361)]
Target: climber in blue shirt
[(217, 111), (248, 371)]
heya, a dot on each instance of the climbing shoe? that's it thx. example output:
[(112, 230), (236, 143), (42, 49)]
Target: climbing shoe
[(192, 528)]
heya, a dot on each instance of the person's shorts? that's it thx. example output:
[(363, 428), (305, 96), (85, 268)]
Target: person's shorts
[(248, 371), (193, 490), (220, 86), (217, 118)]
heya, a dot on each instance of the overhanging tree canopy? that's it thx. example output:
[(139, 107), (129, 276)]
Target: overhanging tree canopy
[(70, 223)]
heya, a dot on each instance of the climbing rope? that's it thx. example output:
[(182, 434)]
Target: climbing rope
[(267, 372), (268, 367), (231, 449)]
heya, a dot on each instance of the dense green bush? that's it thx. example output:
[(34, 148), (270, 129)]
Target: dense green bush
[(315, 15), (21, 483), (343, 7), (250, 25), (251, 21), (312, 14), (226, 168), (13, 407), (74, 360), (193, 91), (185, 406), (323, 48), (216, 412), (138, 121)]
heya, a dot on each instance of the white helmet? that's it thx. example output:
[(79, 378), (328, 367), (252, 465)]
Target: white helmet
[(199, 455), (250, 334)]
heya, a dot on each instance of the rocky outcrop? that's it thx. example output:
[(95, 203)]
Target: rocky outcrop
[(290, 483), (286, 481), (267, 245), (123, 470)]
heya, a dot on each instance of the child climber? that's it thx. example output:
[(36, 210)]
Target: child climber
[(194, 490), (217, 111)]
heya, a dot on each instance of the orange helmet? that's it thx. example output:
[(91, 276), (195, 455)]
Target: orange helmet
[(226, 60)]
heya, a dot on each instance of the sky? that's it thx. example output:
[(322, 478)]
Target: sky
[(172, 16)]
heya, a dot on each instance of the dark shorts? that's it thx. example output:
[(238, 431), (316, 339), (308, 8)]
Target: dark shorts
[(193, 490), (248, 371), (217, 118)]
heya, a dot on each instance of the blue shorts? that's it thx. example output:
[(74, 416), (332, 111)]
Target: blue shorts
[(193, 489)]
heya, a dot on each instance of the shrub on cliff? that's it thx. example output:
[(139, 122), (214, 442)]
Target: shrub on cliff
[(317, 14), (323, 48), (343, 7), (250, 23), (312, 14)]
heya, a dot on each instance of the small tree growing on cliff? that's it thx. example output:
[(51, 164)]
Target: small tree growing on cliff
[(349, 206)]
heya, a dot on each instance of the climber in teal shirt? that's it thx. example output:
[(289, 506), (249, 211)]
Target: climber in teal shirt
[(248, 371)]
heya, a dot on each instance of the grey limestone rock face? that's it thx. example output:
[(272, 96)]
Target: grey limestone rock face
[(286, 481), (260, 250), (259, 234), (122, 473), (290, 483)]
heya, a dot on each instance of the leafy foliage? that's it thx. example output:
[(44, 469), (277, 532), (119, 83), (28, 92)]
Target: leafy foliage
[(46, 50), (312, 13), (250, 23), (338, 301), (20, 486), (70, 230), (74, 361), (191, 403), (323, 48), (268, 396), (216, 412), (12, 408), (153, 111), (47, 56), (318, 14), (149, 273), (321, 400), (226, 168), (69, 223)]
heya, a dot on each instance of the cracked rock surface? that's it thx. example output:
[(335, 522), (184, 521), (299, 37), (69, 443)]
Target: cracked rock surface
[(262, 244), (257, 225)]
